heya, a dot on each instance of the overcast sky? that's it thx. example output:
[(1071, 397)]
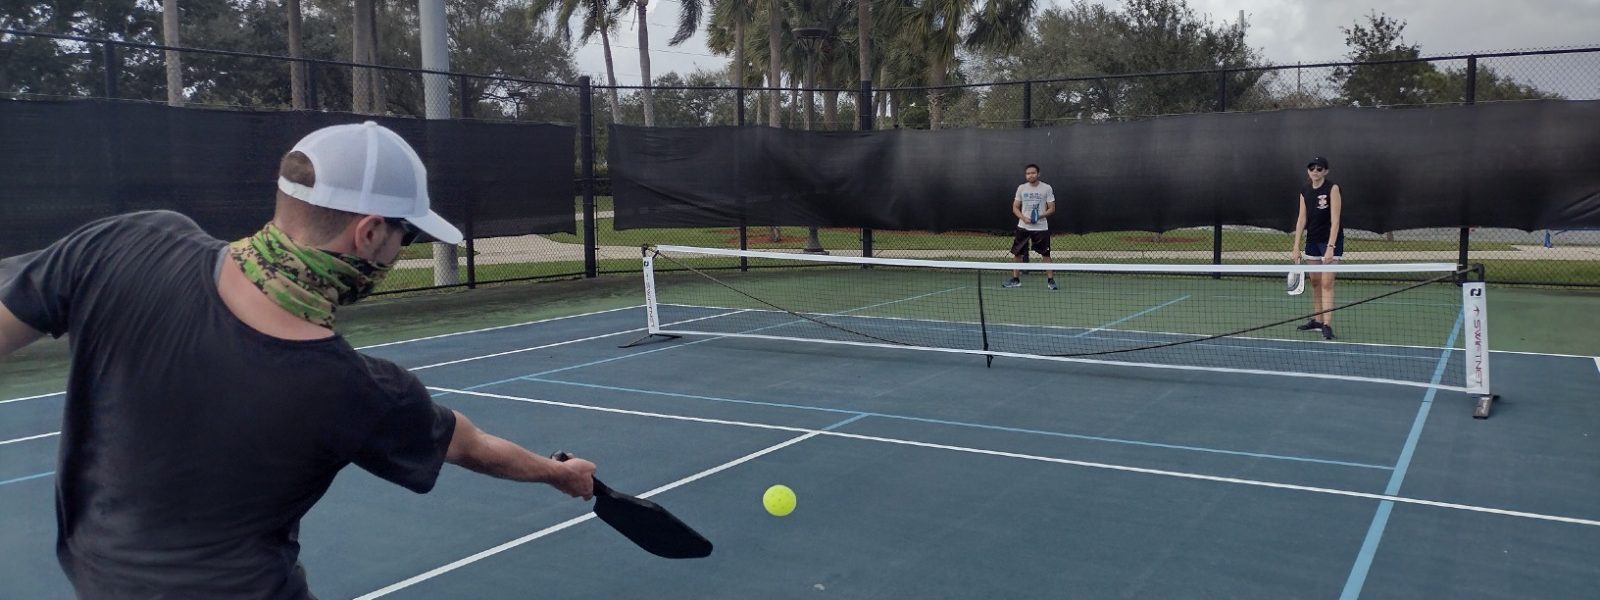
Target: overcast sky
[(1284, 31)]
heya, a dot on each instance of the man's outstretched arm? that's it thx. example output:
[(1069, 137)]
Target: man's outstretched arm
[(14, 334), (473, 449)]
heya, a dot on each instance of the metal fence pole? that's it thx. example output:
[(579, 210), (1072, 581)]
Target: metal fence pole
[(108, 52), (1471, 98), (1027, 104), (1216, 219), (864, 121), (311, 87), (462, 97), (744, 228), (472, 246), (591, 265)]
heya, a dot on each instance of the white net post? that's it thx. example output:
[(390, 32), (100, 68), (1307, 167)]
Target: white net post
[(1474, 305), (652, 315)]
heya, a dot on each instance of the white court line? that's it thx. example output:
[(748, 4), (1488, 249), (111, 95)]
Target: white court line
[(445, 335), (561, 343), (1064, 461), (32, 397), (488, 356), (31, 437), (576, 520), (1597, 363)]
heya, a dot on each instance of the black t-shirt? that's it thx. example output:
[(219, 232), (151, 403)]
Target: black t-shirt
[(192, 444), (1319, 212)]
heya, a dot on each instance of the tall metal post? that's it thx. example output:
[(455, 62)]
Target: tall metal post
[(1471, 98), (108, 52), (591, 264), (864, 121)]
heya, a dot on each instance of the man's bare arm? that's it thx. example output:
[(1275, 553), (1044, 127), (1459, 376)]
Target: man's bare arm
[(473, 449), (14, 334)]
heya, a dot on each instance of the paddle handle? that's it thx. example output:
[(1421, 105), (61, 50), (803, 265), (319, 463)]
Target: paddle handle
[(600, 489)]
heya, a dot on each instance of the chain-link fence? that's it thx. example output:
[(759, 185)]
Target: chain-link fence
[(79, 67)]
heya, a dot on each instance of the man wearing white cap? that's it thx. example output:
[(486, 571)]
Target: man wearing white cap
[(210, 403)]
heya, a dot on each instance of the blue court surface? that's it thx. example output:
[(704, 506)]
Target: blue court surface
[(932, 475)]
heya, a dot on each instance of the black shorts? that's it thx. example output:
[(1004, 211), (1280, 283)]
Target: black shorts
[(1023, 237), (1316, 250)]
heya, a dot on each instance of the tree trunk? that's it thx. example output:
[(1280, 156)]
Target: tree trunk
[(297, 69), (830, 110), (644, 65), (935, 96), (169, 37), (864, 55), (378, 101), (611, 77), (794, 99), (738, 59), (360, 49), (774, 55)]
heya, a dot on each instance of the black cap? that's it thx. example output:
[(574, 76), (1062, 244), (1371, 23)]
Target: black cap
[(1318, 161)]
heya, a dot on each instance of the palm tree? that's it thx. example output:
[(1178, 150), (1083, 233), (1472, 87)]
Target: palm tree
[(688, 23), (936, 31), (597, 18), (733, 17)]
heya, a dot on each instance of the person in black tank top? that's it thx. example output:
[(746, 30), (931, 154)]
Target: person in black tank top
[(1320, 205)]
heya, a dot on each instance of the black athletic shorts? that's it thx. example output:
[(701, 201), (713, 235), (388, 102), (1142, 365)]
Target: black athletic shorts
[(1023, 237)]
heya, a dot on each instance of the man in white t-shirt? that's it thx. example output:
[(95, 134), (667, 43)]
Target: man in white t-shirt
[(1034, 203)]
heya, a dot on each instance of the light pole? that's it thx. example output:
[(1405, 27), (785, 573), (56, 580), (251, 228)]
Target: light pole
[(811, 39)]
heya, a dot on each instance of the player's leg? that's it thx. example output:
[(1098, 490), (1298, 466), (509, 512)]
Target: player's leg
[(1041, 244), (1313, 256), (1019, 250), (1326, 291)]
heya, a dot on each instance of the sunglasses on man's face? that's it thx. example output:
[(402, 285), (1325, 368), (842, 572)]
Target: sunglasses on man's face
[(411, 233), (1315, 169)]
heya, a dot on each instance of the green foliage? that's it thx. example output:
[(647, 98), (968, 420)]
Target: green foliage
[(1145, 36), (1393, 84), (490, 37)]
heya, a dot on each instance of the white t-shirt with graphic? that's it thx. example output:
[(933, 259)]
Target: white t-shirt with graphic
[(1035, 199)]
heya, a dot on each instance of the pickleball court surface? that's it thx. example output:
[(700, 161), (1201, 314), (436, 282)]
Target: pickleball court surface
[(932, 475)]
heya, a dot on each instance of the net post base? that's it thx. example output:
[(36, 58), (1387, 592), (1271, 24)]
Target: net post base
[(648, 336), (1485, 402)]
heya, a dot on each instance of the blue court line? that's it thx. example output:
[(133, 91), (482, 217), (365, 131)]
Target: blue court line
[(28, 477), (1137, 314), (1058, 434), (1380, 520)]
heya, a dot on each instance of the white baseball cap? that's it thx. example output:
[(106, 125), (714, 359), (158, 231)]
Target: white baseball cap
[(369, 169)]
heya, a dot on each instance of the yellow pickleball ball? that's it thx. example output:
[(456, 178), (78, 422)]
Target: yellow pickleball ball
[(779, 500)]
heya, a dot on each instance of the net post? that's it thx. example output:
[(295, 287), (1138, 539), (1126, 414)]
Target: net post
[(1461, 255), (1476, 323), (652, 316), (866, 244)]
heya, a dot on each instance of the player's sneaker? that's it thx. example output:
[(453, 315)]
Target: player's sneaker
[(1051, 283), (1327, 332), (1310, 325), (1011, 283)]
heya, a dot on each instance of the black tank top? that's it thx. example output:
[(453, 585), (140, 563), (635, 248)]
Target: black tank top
[(1319, 212)]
